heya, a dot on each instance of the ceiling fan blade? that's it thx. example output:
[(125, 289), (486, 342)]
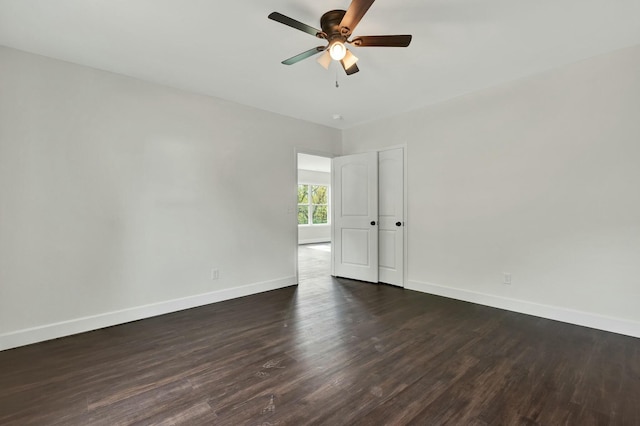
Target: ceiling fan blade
[(279, 17), (351, 70), (325, 60), (303, 55), (382, 41), (354, 14)]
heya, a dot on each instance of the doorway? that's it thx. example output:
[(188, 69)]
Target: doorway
[(314, 216)]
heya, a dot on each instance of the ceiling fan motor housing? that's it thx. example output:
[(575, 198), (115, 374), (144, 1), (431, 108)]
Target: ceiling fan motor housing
[(330, 24)]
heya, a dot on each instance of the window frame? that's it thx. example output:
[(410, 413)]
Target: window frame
[(310, 205)]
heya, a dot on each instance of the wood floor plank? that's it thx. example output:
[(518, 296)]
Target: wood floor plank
[(327, 352)]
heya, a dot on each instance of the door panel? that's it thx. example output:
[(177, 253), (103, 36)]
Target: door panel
[(355, 216), (352, 241), (354, 197), (386, 249), (391, 216)]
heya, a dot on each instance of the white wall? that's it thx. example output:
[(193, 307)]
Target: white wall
[(539, 178), (118, 196), (314, 233)]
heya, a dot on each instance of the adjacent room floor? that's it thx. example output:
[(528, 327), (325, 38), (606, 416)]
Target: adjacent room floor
[(314, 261), (329, 351)]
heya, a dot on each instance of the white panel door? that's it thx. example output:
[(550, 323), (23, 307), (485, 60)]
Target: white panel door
[(355, 216), (391, 216)]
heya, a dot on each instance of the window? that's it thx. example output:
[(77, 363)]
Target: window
[(313, 204)]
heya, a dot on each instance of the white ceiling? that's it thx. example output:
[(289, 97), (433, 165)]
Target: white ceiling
[(232, 51)]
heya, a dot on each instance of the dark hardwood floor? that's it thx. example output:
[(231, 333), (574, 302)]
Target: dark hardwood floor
[(330, 351)]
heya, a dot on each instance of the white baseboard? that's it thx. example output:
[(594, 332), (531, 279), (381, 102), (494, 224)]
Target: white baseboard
[(315, 240), (586, 319), (80, 325)]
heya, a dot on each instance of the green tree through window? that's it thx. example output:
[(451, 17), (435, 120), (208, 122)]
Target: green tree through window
[(303, 204), (313, 204)]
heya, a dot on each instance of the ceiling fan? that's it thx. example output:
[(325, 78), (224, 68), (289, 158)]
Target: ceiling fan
[(337, 26)]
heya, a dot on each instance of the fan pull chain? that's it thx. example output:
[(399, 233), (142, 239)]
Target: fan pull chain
[(337, 85)]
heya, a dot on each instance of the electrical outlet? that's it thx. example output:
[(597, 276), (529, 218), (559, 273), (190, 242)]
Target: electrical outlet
[(507, 278), (215, 274)]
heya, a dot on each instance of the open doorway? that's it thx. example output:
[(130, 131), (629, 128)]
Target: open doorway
[(314, 216)]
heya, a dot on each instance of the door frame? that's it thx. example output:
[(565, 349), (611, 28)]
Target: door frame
[(294, 210), (405, 219)]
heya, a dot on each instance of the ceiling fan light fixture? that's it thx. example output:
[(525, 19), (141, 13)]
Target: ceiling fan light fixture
[(337, 50)]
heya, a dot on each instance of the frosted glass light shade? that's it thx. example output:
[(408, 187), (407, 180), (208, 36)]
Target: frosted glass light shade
[(325, 59), (349, 60)]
